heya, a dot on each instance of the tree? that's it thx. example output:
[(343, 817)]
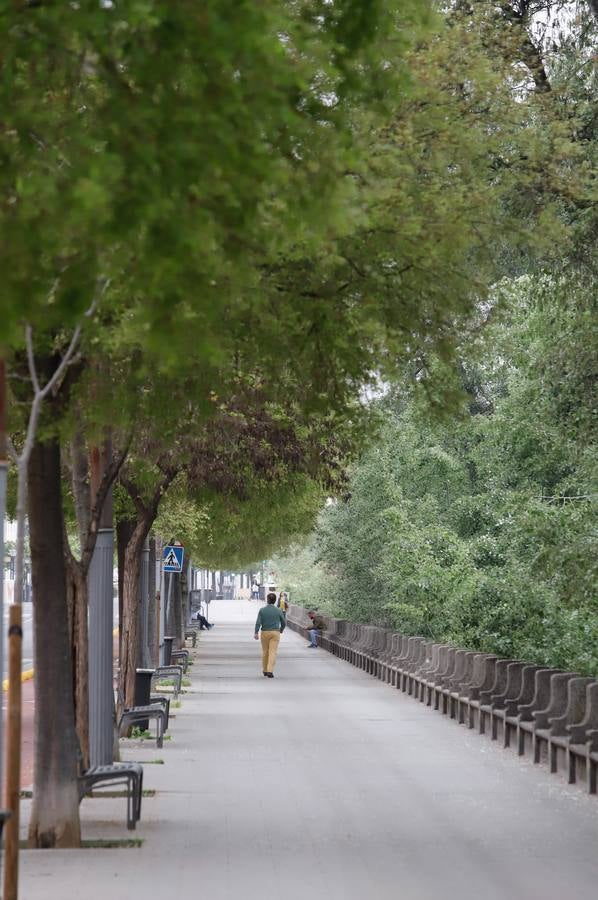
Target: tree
[(256, 453), (478, 529)]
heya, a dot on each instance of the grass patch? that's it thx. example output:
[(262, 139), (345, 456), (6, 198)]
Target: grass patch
[(112, 844), (140, 733), (146, 792), (99, 844)]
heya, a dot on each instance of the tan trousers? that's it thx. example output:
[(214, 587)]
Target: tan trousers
[(270, 641)]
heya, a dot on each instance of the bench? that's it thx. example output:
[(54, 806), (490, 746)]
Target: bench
[(523, 720), (129, 774), (483, 677), (191, 634), (174, 673), (433, 676), (386, 655), (164, 702), (582, 742), (551, 712), (140, 714), (444, 676), (509, 679), (460, 682), (181, 658), (551, 725), (403, 664), (412, 669), (425, 671)]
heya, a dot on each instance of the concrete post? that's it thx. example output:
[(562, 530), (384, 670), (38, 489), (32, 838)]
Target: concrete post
[(144, 606), (100, 649)]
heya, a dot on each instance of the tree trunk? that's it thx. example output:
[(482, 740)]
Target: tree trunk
[(124, 533), (77, 599), (129, 659), (55, 813)]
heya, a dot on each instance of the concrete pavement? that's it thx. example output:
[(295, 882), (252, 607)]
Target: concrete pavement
[(325, 783)]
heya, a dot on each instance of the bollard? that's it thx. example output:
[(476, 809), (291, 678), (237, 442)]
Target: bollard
[(167, 651), (143, 690)]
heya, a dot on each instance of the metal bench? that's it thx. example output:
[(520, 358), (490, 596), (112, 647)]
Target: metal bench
[(174, 673), (191, 634), (180, 657), (129, 774), (141, 714), (164, 702)]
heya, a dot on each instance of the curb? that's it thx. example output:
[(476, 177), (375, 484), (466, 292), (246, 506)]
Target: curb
[(26, 675)]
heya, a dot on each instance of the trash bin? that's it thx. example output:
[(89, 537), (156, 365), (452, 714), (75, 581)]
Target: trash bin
[(143, 690), (167, 651)]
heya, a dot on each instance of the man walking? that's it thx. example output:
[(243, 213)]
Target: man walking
[(272, 622)]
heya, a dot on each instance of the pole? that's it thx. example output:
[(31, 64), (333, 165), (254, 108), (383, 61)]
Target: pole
[(13, 714), (13, 755), (3, 474), (101, 623), (166, 611), (144, 606)]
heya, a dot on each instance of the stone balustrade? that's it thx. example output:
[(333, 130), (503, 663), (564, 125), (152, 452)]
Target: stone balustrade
[(545, 713)]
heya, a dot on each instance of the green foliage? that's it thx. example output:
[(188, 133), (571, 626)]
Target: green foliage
[(481, 530), (161, 143), (222, 530)]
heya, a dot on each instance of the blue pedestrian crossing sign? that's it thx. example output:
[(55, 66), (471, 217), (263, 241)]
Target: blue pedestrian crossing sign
[(172, 558)]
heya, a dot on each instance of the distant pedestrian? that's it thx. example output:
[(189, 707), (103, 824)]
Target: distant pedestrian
[(283, 602), (272, 622), (203, 622), (255, 591), (318, 625)]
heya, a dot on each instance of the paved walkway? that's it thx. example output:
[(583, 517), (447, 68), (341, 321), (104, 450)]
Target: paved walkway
[(325, 784)]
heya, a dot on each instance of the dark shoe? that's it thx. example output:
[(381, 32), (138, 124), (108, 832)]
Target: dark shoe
[(265, 674), (269, 674)]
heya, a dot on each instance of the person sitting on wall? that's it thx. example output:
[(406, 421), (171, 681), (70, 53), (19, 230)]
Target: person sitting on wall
[(318, 625)]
